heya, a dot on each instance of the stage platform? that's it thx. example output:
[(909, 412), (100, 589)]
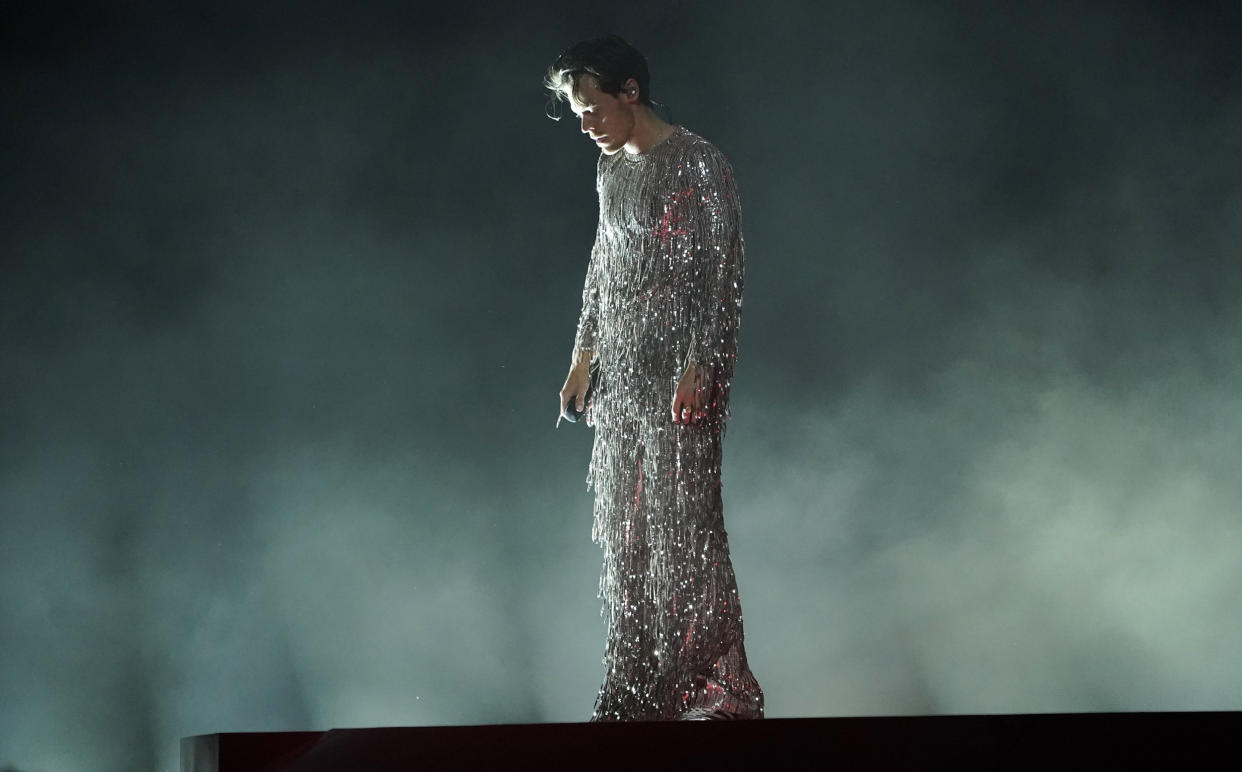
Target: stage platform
[(1001, 742)]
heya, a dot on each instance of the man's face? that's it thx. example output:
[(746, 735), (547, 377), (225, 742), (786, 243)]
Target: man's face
[(608, 120)]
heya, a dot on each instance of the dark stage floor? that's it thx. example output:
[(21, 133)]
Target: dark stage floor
[(1038, 741)]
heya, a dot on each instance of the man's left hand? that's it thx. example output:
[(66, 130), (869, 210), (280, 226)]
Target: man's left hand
[(690, 399)]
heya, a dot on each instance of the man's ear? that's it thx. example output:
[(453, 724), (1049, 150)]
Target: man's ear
[(630, 89)]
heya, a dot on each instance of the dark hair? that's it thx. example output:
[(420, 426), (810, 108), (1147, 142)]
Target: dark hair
[(612, 62)]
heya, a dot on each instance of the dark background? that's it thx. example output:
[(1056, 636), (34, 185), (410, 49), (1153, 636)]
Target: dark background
[(289, 288)]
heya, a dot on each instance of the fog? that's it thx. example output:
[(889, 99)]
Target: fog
[(288, 294)]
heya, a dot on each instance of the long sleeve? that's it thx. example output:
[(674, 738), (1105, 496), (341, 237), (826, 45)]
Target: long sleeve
[(717, 262), (588, 319)]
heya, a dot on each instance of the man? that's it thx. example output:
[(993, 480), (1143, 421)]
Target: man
[(660, 314)]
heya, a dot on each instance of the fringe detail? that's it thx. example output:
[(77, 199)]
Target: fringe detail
[(663, 289)]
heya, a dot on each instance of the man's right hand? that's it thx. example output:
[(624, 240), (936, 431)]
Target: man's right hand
[(575, 388)]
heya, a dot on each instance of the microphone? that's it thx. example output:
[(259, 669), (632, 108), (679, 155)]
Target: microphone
[(569, 411)]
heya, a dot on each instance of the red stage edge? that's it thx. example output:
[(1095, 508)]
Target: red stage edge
[(1027, 741)]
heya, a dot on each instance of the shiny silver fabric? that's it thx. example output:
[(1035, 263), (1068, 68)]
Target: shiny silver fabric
[(664, 289)]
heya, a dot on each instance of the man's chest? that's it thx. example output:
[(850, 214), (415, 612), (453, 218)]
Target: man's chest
[(643, 205)]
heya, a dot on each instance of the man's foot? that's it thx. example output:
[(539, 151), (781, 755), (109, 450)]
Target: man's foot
[(707, 714)]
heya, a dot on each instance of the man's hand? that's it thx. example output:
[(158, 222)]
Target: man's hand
[(576, 384), (690, 399)]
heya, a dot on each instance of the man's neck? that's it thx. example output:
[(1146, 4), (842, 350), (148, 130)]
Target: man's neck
[(649, 131)]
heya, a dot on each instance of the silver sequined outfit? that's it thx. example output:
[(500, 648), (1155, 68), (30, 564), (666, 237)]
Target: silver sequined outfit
[(664, 288)]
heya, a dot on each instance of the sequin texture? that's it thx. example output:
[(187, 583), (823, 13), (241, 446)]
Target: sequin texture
[(663, 290)]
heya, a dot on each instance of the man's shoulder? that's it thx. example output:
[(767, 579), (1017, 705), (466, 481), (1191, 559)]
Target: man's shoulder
[(696, 150), (693, 141), (693, 145)]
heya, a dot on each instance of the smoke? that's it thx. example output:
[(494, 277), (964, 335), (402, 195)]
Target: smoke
[(993, 452), (287, 297)]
